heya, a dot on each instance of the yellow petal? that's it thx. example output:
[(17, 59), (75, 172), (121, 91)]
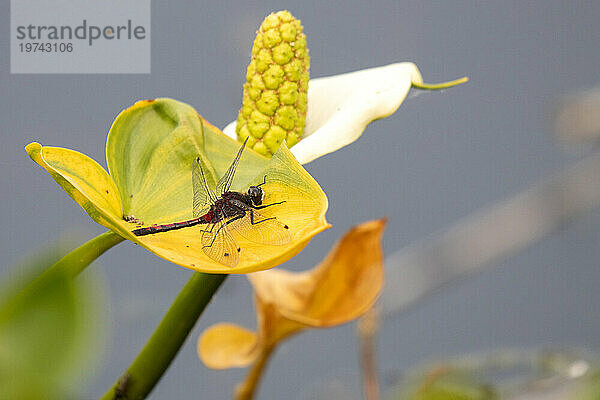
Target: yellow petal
[(341, 288), (84, 180), (272, 325), (227, 346), (303, 211), (150, 151), (154, 170)]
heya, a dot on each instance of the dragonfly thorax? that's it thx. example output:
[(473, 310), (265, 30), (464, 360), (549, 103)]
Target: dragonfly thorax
[(232, 204)]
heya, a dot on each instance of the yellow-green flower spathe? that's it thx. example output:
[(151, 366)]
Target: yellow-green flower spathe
[(150, 149)]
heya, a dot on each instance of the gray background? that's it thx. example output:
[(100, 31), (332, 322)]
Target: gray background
[(440, 157)]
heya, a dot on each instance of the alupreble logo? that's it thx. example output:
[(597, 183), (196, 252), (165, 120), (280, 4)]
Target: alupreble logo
[(80, 36)]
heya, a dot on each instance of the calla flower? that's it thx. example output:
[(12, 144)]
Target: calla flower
[(341, 106), (341, 288), (149, 152)]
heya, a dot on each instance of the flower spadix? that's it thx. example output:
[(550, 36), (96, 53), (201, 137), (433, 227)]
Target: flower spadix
[(149, 152), (341, 288), (341, 106)]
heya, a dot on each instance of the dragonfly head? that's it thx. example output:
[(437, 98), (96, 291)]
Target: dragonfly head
[(256, 195)]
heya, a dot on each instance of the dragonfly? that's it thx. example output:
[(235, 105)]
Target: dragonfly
[(222, 211)]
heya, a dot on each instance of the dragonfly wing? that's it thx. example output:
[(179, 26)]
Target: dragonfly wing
[(260, 229), (226, 180), (203, 195), (218, 244)]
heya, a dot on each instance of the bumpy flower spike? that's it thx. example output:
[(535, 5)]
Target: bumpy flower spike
[(317, 118), (275, 93)]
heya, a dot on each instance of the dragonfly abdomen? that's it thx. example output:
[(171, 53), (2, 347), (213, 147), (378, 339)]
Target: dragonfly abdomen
[(149, 230)]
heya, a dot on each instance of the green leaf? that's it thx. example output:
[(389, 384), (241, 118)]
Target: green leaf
[(48, 337)]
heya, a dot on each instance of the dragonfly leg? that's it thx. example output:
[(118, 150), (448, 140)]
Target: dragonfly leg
[(258, 222), (240, 215), (221, 227), (212, 226), (268, 205), (214, 236)]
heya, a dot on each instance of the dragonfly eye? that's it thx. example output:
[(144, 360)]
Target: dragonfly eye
[(256, 195)]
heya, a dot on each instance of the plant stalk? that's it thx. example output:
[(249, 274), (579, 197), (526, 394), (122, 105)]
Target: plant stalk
[(162, 347), (439, 86), (75, 262), (368, 328), (247, 389)]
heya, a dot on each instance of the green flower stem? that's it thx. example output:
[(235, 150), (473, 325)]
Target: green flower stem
[(439, 86), (76, 261), (70, 265), (154, 359)]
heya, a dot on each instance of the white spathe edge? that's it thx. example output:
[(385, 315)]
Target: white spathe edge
[(341, 106)]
